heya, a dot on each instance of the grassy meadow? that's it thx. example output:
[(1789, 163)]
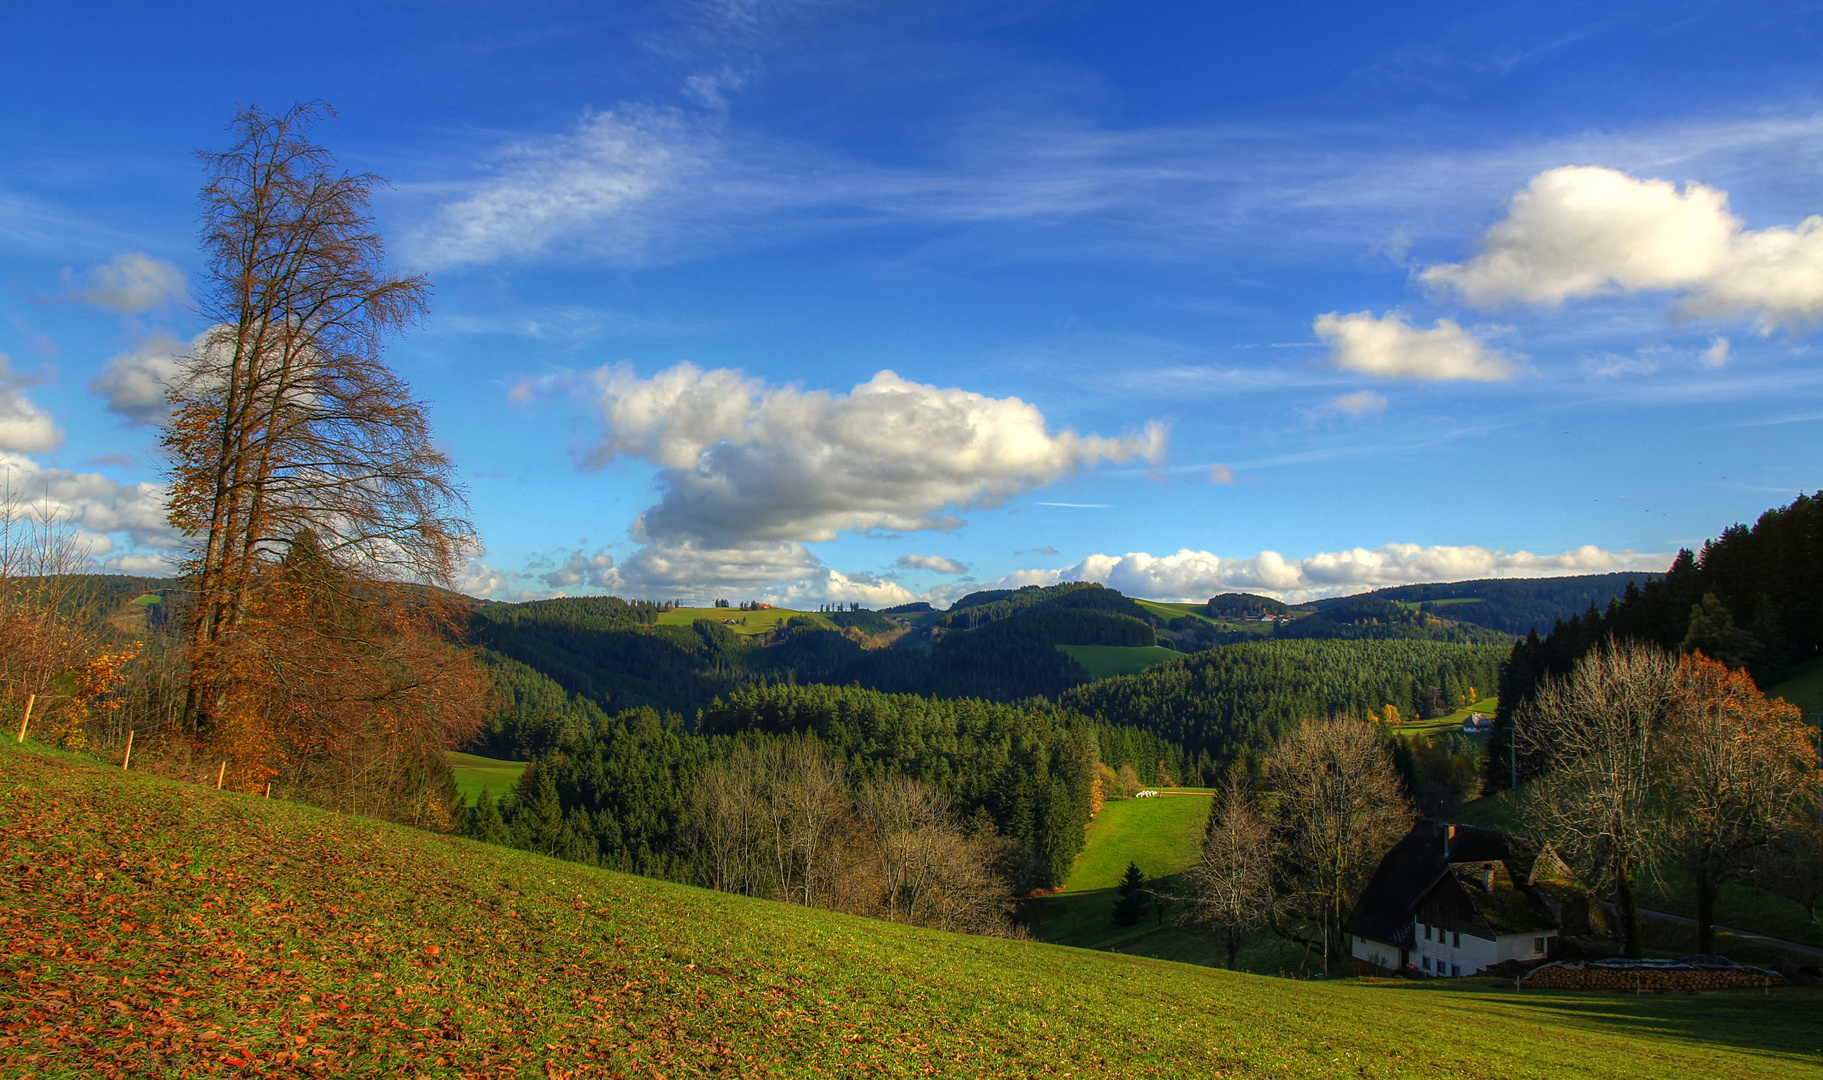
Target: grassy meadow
[(1804, 689), (1440, 725), (475, 774), (744, 623), (155, 928), (1163, 835), (1107, 661)]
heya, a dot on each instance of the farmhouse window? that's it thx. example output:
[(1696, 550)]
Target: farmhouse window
[(1455, 970), (1427, 931), (1538, 944), (1456, 941)]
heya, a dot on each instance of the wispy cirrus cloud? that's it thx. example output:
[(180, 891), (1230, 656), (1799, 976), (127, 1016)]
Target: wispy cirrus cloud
[(641, 184)]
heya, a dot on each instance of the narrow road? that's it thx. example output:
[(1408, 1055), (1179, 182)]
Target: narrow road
[(1744, 935)]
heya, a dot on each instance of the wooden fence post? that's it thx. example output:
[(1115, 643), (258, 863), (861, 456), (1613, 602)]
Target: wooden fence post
[(125, 761), (220, 774), (268, 789), (31, 699)]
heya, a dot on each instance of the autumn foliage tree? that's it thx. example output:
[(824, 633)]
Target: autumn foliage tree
[(1738, 774), (318, 509)]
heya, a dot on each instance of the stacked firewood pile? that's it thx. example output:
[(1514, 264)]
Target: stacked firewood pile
[(1689, 973)]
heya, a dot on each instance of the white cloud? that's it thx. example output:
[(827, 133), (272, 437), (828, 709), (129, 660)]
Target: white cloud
[(1197, 575), (141, 565), (1614, 367), (134, 382), (23, 425), (1583, 231), (133, 283), (1359, 403), (1218, 474), (579, 568), (90, 501), (1716, 355), (934, 563), (1391, 348), (751, 473), (585, 188)]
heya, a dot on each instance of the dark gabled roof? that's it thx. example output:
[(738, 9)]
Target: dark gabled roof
[(1508, 906), (1383, 912), (1428, 853)]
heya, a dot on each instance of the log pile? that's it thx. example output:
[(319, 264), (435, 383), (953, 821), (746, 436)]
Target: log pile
[(1690, 973)]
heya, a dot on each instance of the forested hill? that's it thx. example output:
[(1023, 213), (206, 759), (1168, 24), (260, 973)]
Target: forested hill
[(1752, 598), (1362, 618), (1516, 606), (1231, 702)]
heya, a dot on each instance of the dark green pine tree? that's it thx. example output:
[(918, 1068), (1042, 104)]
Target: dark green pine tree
[(1131, 906), (483, 821)]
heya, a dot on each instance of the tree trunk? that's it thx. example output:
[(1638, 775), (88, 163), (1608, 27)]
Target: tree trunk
[(1234, 946), (1706, 888), (1629, 910)]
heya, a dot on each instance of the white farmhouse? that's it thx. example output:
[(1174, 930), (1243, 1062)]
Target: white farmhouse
[(1452, 900)]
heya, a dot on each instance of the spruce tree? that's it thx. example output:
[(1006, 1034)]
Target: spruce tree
[(1131, 907)]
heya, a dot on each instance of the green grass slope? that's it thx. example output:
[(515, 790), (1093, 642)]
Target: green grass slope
[(475, 774), (744, 623), (1804, 689), (1107, 661), (1163, 835), (159, 929)]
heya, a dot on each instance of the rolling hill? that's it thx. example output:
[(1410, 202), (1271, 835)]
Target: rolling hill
[(161, 928)]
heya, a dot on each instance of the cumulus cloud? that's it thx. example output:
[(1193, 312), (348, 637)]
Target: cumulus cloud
[(134, 382), (579, 568), (91, 502), (133, 283), (1219, 474), (1716, 355), (1196, 575), (750, 472), (1582, 231), (24, 426), (934, 563), (1391, 348)]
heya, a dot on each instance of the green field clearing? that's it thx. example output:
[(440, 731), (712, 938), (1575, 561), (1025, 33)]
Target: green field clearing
[(148, 600), (1453, 722), (1107, 661), (1804, 689), (475, 774), (745, 623), (1168, 612), (155, 928), (1163, 835), (1451, 602)]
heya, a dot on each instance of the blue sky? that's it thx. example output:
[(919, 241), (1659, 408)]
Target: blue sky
[(857, 301)]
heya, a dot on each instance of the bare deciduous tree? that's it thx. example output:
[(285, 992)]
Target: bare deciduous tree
[(1337, 808), (1599, 732), (1231, 884), (285, 419)]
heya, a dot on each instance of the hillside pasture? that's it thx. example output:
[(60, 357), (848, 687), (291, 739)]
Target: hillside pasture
[(1107, 661), (1443, 725), (744, 623), (1163, 835), (1803, 689), (475, 774), (155, 928)]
